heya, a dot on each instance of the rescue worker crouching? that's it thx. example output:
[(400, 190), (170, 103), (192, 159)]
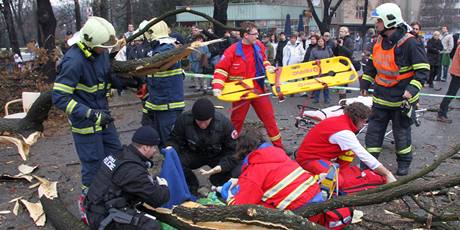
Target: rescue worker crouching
[(165, 101), (122, 182), (398, 68), (335, 138), (269, 177), (204, 136), (81, 89)]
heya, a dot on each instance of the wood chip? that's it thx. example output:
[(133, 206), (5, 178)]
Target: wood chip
[(15, 199), (35, 212), (34, 185), (4, 212), (357, 216), (16, 208), (26, 169), (47, 188)]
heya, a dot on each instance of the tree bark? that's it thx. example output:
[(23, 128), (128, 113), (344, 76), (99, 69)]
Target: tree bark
[(77, 15), (175, 12), (58, 215), (328, 13), (251, 215), (363, 25), (6, 10), (33, 122), (159, 62), (18, 16), (104, 9), (47, 28), (220, 14), (412, 188), (129, 13)]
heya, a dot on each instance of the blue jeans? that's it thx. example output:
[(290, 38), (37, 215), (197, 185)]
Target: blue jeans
[(163, 122), (93, 148), (325, 94), (445, 70)]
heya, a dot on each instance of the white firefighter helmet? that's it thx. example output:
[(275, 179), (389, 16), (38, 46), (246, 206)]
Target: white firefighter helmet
[(157, 31), (98, 32), (390, 14)]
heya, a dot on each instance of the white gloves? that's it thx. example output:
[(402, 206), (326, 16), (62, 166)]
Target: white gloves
[(162, 181), (217, 92), (270, 69)]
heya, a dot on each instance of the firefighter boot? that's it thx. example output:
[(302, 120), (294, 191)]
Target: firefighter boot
[(403, 168)]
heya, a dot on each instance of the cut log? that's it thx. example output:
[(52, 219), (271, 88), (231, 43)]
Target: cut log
[(159, 62), (59, 216), (231, 217), (25, 132)]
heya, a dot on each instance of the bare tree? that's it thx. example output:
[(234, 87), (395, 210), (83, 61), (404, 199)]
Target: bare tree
[(328, 13), (363, 28), (6, 10), (129, 13), (47, 29), (104, 9), (18, 19), (220, 14), (77, 14)]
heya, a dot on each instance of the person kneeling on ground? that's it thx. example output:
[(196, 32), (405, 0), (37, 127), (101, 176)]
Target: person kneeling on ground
[(335, 138), (122, 182), (271, 179), (202, 137)]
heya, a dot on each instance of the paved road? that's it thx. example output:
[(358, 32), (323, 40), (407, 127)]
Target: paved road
[(58, 162)]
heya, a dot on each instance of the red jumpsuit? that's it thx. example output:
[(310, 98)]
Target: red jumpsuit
[(239, 62), (315, 153), (270, 178)]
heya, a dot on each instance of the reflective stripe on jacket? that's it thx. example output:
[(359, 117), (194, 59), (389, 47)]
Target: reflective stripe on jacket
[(82, 84), (166, 88), (273, 180)]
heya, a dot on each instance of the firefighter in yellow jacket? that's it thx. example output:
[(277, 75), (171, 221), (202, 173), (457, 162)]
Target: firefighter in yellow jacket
[(398, 68)]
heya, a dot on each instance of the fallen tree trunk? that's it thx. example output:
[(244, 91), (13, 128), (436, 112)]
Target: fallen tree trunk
[(229, 217), (159, 62), (412, 188), (33, 122), (419, 174), (59, 216), (25, 132)]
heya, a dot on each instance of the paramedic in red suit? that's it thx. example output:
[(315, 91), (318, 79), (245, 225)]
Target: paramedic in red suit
[(242, 60), (334, 138), (272, 179)]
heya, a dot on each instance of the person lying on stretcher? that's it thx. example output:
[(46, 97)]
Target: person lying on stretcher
[(269, 177), (334, 139)]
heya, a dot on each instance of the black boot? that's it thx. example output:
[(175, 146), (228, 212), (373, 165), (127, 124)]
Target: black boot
[(403, 168)]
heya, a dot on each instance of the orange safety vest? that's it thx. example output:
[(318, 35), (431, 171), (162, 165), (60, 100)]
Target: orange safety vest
[(388, 74)]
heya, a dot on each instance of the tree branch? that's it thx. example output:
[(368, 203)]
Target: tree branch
[(412, 177), (379, 197), (313, 12), (178, 11)]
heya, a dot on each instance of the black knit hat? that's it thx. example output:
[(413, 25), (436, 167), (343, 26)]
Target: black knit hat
[(146, 135), (203, 109)]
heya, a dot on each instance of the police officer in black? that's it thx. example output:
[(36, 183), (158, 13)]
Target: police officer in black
[(123, 182), (203, 136)]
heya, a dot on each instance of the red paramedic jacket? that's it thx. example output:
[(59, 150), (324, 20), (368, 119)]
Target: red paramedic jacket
[(316, 145), (270, 178), (236, 64)]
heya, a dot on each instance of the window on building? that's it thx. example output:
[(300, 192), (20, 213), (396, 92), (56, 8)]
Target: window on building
[(359, 13)]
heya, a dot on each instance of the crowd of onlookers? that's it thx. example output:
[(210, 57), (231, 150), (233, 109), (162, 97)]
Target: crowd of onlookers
[(283, 49)]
